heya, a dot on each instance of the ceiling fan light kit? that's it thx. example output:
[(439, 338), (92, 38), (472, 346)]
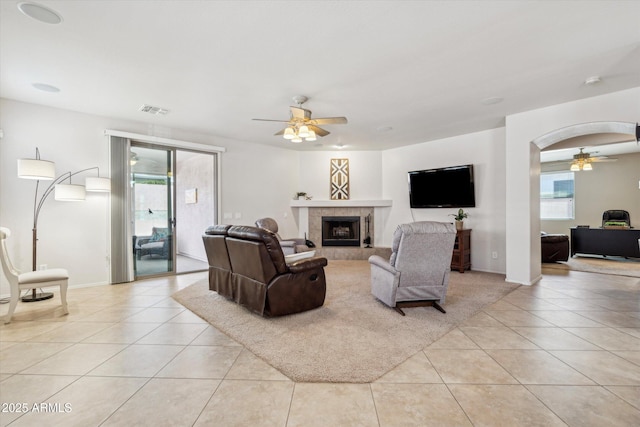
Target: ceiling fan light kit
[(581, 162), (576, 167), (584, 161), (301, 127)]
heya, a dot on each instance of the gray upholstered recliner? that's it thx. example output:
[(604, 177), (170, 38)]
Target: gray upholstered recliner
[(417, 274), (289, 246)]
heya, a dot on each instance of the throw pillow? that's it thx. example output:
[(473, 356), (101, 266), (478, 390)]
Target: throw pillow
[(159, 234)]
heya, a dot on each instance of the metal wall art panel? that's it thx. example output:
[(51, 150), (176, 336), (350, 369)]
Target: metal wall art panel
[(339, 179)]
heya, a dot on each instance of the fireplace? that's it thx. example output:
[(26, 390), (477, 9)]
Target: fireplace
[(341, 231)]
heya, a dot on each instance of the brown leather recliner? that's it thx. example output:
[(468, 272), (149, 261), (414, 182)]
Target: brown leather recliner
[(257, 276), (215, 245)]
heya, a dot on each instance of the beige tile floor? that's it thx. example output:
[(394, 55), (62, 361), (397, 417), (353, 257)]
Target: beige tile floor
[(563, 352)]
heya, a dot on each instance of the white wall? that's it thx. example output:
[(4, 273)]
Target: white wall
[(523, 176), (71, 234), (365, 174), (257, 181), (194, 171), (485, 150)]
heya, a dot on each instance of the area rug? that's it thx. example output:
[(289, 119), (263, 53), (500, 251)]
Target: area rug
[(354, 337), (618, 266)]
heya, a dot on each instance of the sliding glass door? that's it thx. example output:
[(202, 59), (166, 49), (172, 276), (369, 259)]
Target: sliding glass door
[(164, 195), (173, 200), (152, 209)]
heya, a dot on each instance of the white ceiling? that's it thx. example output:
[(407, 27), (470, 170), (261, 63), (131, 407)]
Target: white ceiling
[(422, 68)]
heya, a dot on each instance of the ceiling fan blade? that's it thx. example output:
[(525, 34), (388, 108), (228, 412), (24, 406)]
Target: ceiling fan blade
[(270, 120), (329, 121), (603, 159), (319, 131), (281, 132), (300, 113)]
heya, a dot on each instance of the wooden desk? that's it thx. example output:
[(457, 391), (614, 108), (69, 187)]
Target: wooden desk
[(603, 241), (461, 259)]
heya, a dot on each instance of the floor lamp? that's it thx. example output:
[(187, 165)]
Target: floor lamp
[(44, 170)]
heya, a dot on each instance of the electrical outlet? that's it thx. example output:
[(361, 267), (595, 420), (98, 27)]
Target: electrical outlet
[(43, 267), (494, 255), (238, 215), (228, 215)]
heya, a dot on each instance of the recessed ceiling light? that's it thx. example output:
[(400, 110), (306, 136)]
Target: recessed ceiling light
[(593, 80), (492, 100), (39, 13), (45, 87)]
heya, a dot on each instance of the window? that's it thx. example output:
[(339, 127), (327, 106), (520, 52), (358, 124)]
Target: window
[(557, 195)]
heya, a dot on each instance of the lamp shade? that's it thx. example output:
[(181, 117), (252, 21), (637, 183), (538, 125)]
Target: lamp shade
[(311, 136), (36, 169), (69, 192), (574, 167), (95, 183), (303, 132), (297, 139), (289, 133), (587, 167)]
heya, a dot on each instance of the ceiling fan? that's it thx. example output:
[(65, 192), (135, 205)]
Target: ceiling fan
[(582, 160), (300, 124)]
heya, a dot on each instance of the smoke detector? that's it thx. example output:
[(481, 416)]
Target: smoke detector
[(153, 110)]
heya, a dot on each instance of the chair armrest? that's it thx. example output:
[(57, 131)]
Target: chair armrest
[(296, 241), (141, 240), (307, 264), (382, 263), (287, 243)]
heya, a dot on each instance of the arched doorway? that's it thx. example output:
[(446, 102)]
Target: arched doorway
[(594, 133), (591, 193)]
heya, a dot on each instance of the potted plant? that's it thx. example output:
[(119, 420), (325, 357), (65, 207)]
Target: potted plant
[(459, 217), (301, 195)]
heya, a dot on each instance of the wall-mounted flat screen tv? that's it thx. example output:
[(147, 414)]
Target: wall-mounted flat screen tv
[(450, 187)]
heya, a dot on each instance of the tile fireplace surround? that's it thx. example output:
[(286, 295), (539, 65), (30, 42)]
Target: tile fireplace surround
[(310, 220)]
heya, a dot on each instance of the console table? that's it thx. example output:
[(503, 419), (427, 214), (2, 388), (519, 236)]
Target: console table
[(461, 259), (603, 241)]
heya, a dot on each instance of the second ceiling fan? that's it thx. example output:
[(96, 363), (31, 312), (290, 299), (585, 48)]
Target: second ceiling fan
[(301, 126), (582, 160)]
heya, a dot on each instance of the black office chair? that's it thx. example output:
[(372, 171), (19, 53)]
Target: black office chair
[(616, 215)]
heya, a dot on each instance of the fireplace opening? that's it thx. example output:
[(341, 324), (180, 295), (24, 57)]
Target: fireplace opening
[(340, 231)]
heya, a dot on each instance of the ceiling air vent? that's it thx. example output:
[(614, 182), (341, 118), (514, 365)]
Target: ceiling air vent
[(153, 110)]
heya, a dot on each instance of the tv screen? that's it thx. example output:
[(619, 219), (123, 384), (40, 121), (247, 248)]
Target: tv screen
[(450, 187)]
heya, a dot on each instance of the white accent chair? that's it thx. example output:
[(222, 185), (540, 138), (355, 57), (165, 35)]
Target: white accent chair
[(417, 274), (31, 280)]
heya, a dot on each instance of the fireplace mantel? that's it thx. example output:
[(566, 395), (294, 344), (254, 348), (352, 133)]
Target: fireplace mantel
[(340, 203)]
